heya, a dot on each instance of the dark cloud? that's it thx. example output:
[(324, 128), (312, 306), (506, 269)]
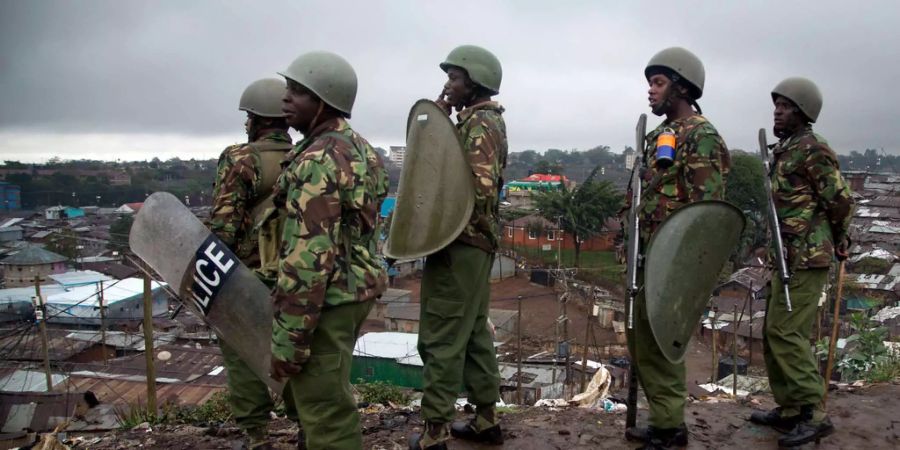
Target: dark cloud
[(572, 70)]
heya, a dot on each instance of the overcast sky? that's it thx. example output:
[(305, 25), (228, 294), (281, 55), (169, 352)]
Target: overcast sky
[(134, 80)]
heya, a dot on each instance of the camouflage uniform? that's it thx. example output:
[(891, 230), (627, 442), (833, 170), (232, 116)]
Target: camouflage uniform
[(698, 173), (238, 177), (328, 275), (237, 190), (814, 208), (454, 341)]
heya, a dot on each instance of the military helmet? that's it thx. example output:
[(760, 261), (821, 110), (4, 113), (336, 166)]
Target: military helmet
[(327, 75), (803, 92), (263, 97), (483, 67), (684, 63)]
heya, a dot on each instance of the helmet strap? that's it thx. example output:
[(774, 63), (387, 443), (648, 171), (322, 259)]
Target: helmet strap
[(312, 124)]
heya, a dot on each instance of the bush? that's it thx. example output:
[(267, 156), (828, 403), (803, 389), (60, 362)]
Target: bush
[(214, 410), (134, 415), (382, 393)]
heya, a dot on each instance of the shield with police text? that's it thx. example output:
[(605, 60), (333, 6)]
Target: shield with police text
[(211, 280), (436, 193), (683, 262)]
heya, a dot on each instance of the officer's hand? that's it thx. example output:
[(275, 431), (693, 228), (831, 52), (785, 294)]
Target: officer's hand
[(842, 250), (281, 370), (446, 107)]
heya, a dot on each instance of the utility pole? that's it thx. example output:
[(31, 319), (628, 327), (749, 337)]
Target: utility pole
[(148, 346), (519, 351), (735, 323), (102, 324), (715, 348), (587, 334), (750, 341), (41, 314)]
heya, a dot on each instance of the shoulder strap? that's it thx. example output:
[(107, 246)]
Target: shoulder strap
[(270, 156)]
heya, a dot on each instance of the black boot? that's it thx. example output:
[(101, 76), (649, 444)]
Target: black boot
[(637, 434), (663, 438), (806, 430), (773, 418), (434, 437), (466, 430), (489, 434)]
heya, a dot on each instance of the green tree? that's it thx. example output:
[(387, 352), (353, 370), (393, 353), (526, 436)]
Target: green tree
[(745, 188), (65, 244), (546, 167), (582, 212), (118, 233)]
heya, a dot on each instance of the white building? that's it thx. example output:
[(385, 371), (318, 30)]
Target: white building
[(397, 154)]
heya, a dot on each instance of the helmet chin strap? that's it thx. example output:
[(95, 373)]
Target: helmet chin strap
[(312, 124)]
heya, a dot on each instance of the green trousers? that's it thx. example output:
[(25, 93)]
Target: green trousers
[(248, 395), (454, 341), (793, 373), (663, 381), (322, 392)]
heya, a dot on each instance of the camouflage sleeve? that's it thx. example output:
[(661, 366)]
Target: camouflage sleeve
[(308, 250), (704, 168), (484, 142), (236, 179), (833, 192)]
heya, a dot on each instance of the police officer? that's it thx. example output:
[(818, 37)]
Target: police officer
[(694, 172), (244, 180), (454, 341), (329, 273), (814, 208)]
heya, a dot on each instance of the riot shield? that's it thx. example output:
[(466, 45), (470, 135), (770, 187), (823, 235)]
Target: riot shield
[(436, 193), (683, 262), (209, 277)]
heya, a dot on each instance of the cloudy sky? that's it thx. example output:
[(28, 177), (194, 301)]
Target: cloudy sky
[(134, 80)]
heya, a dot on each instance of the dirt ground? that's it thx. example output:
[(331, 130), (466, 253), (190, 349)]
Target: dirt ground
[(866, 418)]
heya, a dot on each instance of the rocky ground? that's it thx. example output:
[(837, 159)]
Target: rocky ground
[(866, 417)]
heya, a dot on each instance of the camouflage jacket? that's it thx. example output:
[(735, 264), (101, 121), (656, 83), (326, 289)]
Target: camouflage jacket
[(813, 201), (700, 165), (483, 134), (235, 193), (331, 191)]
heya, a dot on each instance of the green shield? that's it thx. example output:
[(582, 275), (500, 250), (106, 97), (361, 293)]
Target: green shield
[(437, 189), (682, 266)]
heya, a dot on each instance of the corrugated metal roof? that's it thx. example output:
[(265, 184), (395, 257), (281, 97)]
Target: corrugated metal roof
[(43, 411), (28, 381), (121, 339), (24, 294), (79, 277), (113, 291), (532, 375), (11, 222), (125, 392), (186, 364), (25, 345), (401, 347), (33, 255), (113, 269)]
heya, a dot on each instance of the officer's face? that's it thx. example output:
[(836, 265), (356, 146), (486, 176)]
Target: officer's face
[(788, 117), (299, 106), (458, 89), (658, 93)]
